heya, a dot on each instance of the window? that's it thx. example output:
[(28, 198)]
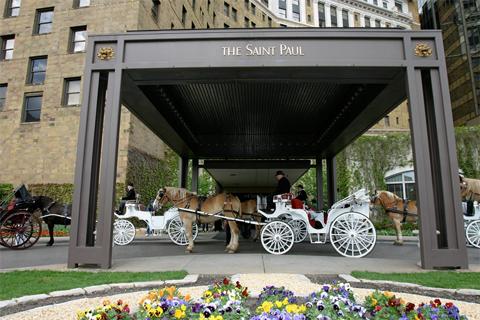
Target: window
[(44, 21), (333, 16), (345, 19), (397, 120), (269, 21), (387, 25), (296, 10), (377, 23), (226, 9), (254, 9), (246, 3), (282, 13), (367, 22), (78, 38), (194, 3), (209, 3), (3, 95), (155, 9), (32, 107), (399, 6), (309, 3), (7, 43), (71, 96), (13, 8), (81, 3), (184, 15), (309, 18), (321, 14), (254, 25), (387, 121), (234, 14), (246, 22), (375, 2), (385, 4), (37, 71), (226, 26), (193, 26)]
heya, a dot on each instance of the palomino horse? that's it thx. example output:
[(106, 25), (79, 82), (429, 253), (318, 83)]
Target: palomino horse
[(224, 203), (470, 189), (397, 210)]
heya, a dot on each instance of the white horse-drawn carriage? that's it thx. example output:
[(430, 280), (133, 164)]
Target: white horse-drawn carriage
[(346, 225), (169, 222), (472, 224)]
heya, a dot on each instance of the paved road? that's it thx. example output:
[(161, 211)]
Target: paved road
[(209, 257)]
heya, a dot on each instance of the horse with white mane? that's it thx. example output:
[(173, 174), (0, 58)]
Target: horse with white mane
[(222, 203), (397, 209)]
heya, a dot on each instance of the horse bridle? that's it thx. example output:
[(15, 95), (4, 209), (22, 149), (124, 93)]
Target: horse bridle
[(174, 201)]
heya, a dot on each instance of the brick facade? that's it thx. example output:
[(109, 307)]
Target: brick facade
[(45, 151)]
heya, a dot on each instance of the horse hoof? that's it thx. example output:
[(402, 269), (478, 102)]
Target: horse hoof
[(398, 243)]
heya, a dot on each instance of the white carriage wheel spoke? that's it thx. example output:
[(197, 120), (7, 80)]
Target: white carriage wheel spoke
[(359, 226)]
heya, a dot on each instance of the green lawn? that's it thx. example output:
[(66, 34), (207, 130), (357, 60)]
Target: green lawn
[(21, 283), (439, 279)]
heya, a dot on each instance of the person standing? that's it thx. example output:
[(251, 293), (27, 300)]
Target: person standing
[(283, 185), (301, 194)]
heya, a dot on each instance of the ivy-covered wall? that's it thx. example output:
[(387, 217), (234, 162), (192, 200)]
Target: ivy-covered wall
[(148, 174)]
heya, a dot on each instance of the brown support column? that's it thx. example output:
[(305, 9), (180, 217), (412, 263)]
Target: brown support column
[(100, 114), (195, 175), (319, 176), (182, 172), (331, 180), (436, 170)]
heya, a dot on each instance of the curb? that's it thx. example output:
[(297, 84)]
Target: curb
[(467, 292), (189, 279)]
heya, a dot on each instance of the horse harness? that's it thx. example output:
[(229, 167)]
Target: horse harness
[(404, 212), (64, 213)]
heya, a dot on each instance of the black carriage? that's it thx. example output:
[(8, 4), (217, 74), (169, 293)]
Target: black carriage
[(20, 228)]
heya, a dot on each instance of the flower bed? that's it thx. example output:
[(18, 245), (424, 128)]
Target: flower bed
[(230, 301)]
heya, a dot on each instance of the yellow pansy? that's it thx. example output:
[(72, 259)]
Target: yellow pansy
[(374, 302), (285, 301), (179, 314), (278, 304), (80, 314), (291, 308), (302, 308), (388, 294), (266, 306), (183, 307), (207, 293)]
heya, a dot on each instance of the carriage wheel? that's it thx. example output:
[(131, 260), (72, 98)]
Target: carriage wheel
[(299, 228), (353, 235), (20, 230), (473, 233), (277, 237), (123, 232), (176, 232)]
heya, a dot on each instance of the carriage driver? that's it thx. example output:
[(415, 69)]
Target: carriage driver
[(131, 195)]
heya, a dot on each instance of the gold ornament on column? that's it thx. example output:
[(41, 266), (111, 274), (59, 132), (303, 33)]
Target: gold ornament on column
[(423, 50), (105, 53)]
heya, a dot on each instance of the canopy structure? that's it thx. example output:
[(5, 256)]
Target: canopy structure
[(249, 102)]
